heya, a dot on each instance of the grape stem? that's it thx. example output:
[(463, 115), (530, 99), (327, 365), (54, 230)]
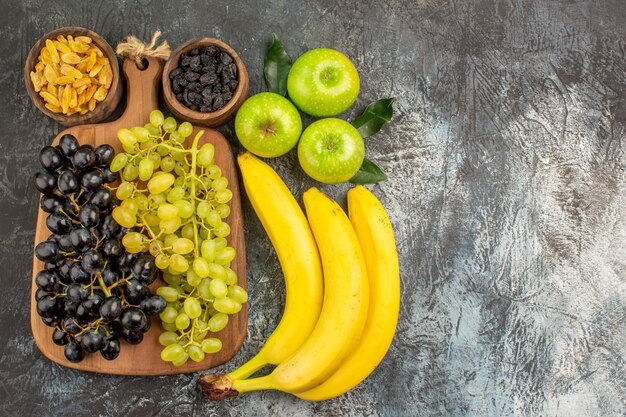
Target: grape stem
[(103, 286), (194, 155)]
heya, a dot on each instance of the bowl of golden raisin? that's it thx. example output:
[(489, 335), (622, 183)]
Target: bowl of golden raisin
[(73, 77)]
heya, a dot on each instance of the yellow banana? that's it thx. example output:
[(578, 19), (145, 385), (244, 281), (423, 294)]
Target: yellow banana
[(289, 232), (375, 234), (341, 320)]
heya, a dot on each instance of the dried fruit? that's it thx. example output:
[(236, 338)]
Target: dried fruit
[(72, 75), (205, 80)]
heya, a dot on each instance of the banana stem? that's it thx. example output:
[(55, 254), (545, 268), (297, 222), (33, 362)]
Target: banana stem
[(248, 368), (218, 387)]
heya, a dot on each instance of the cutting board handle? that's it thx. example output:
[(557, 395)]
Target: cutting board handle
[(142, 91)]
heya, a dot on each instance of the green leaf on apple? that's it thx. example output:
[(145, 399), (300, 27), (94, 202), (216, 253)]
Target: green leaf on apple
[(369, 173), (276, 67), (375, 116)]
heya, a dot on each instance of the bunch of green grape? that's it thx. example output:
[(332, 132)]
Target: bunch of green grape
[(175, 201)]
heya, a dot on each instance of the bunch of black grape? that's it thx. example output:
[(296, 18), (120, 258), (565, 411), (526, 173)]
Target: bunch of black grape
[(91, 291)]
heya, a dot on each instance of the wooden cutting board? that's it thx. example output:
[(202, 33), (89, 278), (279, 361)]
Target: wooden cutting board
[(142, 88)]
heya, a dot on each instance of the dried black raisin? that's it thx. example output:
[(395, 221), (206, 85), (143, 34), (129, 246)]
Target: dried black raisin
[(191, 76), (225, 58), (175, 72)]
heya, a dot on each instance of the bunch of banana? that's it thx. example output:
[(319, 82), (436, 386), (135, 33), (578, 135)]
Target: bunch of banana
[(321, 354)]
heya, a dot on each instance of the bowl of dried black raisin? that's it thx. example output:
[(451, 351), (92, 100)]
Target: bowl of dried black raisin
[(205, 82)]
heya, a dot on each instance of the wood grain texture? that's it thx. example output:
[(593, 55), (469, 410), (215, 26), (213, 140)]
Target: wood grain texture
[(220, 116), (506, 192), (103, 109), (144, 358)]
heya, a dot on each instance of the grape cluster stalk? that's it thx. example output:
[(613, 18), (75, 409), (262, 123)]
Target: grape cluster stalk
[(175, 201)]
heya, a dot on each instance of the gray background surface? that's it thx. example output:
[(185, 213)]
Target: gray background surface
[(506, 191)]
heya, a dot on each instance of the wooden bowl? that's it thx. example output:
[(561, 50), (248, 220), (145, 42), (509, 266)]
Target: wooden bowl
[(215, 118), (104, 108)]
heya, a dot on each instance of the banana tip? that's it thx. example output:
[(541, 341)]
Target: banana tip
[(217, 387)]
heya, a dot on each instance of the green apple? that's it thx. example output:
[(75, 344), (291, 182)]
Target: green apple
[(323, 82), (331, 151), (268, 125)]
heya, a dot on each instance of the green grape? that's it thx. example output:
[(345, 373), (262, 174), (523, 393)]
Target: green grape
[(182, 360), (220, 183), (119, 161), (175, 194), (169, 239), (207, 182), (223, 210), (201, 267), (218, 288), (156, 199), (238, 294), (180, 182), (178, 156), (168, 293), (192, 308), (156, 158), (180, 170), (130, 205), (200, 330), (169, 124), (142, 201), (168, 315), (161, 183), (214, 172), (213, 219), (170, 327), (185, 129), (186, 287), (162, 150), (182, 246), (204, 234), (154, 130), (231, 276), (167, 163), (132, 150), (205, 155), (218, 322), (202, 209), (192, 278), (225, 256), (152, 220), (203, 288), (211, 345), (176, 305), (130, 172), (223, 196), (208, 250), (172, 352), (220, 243), (156, 118), (155, 247), (182, 321), (176, 136), (162, 261), (132, 239), (226, 305), (141, 134), (149, 144), (178, 263), (172, 279), (146, 166), (168, 338), (167, 211), (126, 137), (187, 231), (195, 353), (222, 230), (170, 225), (185, 208), (124, 217), (124, 190), (217, 271)]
